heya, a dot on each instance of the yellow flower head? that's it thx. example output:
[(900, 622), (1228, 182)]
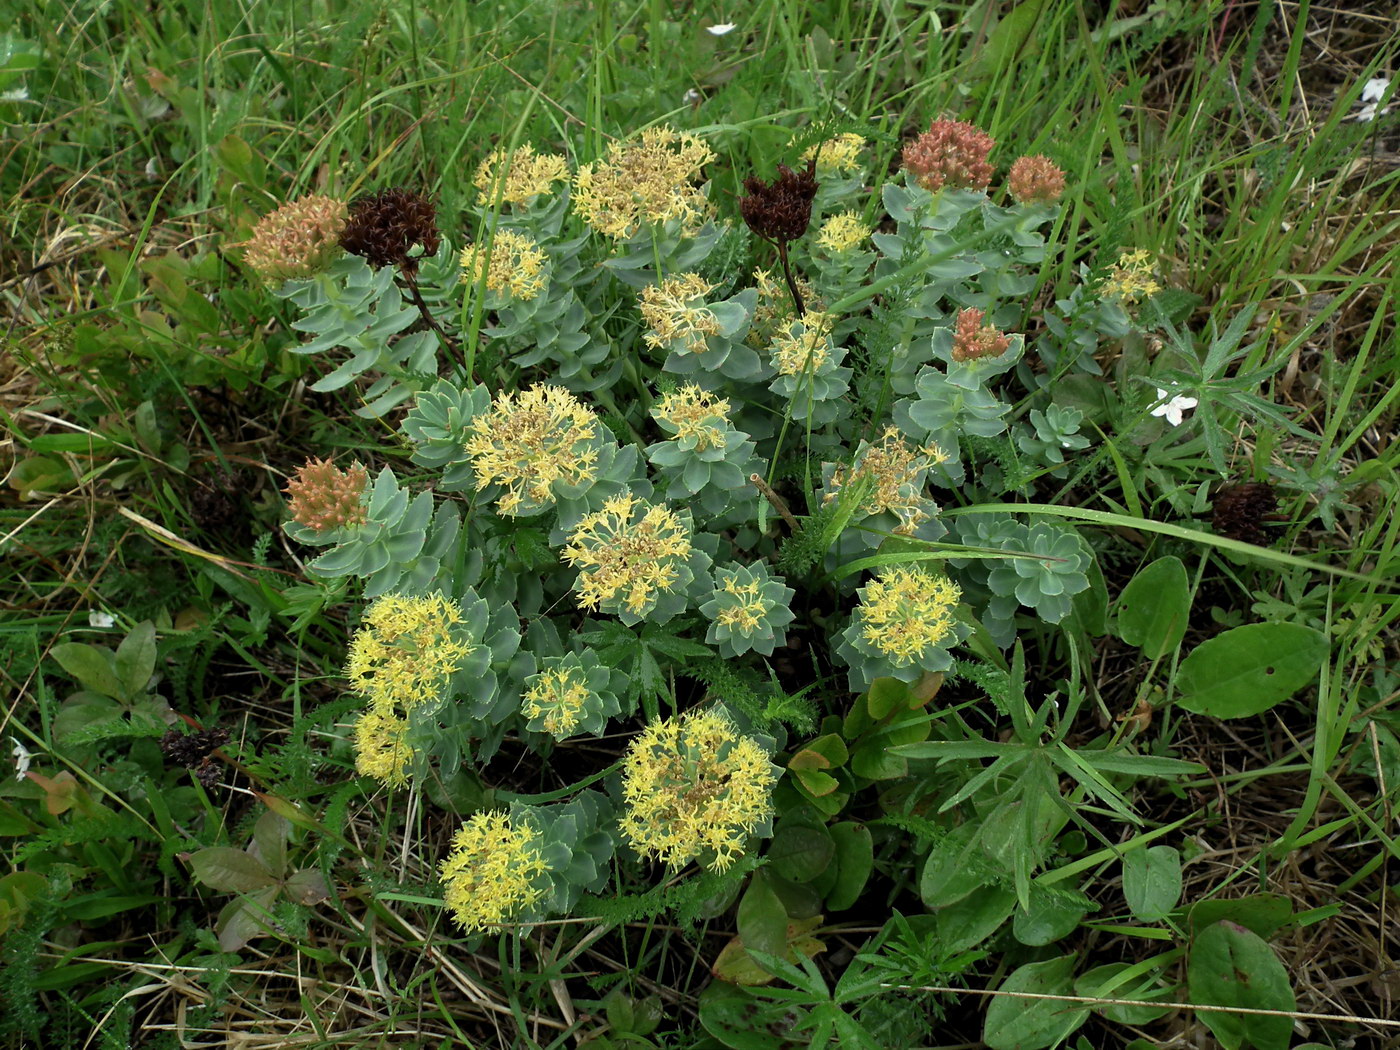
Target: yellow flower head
[(513, 264), (905, 612), (842, 233), (558, 696), (837, 156), (694, 785), (750, 608), (775, 311), (519, 176), (406, 650), (804, 352), (696, 415), (297, 240), (891, 475), (493, 870), (382, 750), (529, 441), (1131, 278), (643, 183), (675, 317), (628, 552)]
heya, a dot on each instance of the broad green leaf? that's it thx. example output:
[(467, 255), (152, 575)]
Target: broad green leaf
[(1232, 966), (1115, 981), (1052, 914), (973, 919), (799, 852), (136, 658), (855, 860), (1261, 912), (1154, 608), (308, 887), (762, 919), (233, 870), (1249, 669), (948, 874), (270, 842), (93, 667), (243, 918), (742, 1022), (1152, 881), (1016, 1023)]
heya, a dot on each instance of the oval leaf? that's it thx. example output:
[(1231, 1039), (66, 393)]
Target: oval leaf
[(800, 852), (1249, 669), (1153, 609), (226, 868), (1152, 881), (855, 860), (1016, 1023), (1232, 966), (93, 667)]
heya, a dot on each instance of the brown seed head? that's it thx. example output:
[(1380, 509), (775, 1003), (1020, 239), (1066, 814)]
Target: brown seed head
[(1240, 511), (950, 153), (296, 241), (973, 340), (780, 211), (325, 498), (383, 227), (1035, 179)]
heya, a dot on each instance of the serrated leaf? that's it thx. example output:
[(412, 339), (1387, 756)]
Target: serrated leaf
[(1249, 669)]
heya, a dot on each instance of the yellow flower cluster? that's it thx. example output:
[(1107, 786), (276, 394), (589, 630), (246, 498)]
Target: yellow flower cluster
[(843, 232), (519, 176), (837, 156), (808, 351), (644, 183), (382, 750), (401, 658), (513, 264), (1131, 278), (905, 612), (628, 551), (694, 785), (696, 414), (530, 440), (750, 610), (676, 321), (493, 870), (890, 473), (774, 309), (557, 695)]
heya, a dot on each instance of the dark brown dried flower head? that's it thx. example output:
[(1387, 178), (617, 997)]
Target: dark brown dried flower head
[(192, 749), (323, 497), (973, 340), (1240, 511), (296, 241), (384, 226), (780, 211), (1035, 179), (950, 153)]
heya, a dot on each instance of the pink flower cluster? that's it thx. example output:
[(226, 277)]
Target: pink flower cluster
[(973, 340), (950, 153), (325, 498)]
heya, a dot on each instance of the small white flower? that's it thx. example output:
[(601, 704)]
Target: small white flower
[(1371, 94), (22, 757), (1375, 89), (692, 97), (721, 29), (1173, 405), (100, 619), (21, 94)]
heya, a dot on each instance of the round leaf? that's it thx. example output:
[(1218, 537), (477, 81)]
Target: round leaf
[(1016, 1023), (1249, 669), (1152, 881)]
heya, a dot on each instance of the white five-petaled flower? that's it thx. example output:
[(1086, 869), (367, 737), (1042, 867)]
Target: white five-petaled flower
[(721, 29), (1371, 94), (1173, 405), (97, 618), (22, 757)]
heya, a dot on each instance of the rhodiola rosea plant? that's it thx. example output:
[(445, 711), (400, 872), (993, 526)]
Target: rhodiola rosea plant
[(678, 470)]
